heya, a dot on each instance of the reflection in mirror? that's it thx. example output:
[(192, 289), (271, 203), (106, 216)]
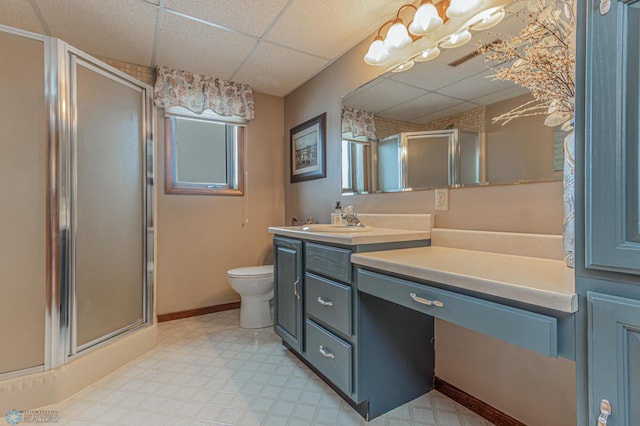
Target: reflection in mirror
[(357, 175), (395, 117), (431, 159)]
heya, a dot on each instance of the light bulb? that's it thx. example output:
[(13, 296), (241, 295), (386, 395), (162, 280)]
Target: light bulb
[(397, 36), (456, 39), (426, 20), (487, 19), (427, 55), (403, 67), (459, 8), (377, 54)]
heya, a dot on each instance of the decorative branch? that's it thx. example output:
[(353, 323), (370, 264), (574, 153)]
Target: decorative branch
[(540, 58)]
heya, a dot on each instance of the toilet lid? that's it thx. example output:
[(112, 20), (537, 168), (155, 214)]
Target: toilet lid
[(251, 271)]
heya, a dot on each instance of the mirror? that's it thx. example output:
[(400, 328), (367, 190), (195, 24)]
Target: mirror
[(433, 126)]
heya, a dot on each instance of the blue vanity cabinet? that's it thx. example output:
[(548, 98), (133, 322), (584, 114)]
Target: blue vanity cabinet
[(607, 212), (614, 345), (330, 338), (288, 291), (318, 315)]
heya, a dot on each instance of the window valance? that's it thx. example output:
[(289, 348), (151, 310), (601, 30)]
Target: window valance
[(359, 123), (200, 92)]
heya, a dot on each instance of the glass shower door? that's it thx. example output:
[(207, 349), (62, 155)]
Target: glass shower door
[(108, 205)]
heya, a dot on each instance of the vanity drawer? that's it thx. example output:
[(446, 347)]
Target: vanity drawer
[(330, 355), (329, 261), (329, 302), (523, 328)]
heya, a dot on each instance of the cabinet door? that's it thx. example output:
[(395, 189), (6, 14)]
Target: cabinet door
[(612, 136), (614, 351), (288, 289)]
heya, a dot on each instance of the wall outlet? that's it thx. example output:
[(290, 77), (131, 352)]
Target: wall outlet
[(442, 199)]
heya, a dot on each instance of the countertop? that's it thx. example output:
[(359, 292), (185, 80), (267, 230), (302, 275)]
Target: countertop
[(542, 282), (375, 236)]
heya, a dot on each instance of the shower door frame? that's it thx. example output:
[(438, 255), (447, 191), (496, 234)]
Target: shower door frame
[(60, 60)]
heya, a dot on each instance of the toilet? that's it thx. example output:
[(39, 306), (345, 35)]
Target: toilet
[(255, 286)]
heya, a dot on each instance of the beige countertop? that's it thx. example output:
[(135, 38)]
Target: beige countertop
[(542, 282), (375, 236)]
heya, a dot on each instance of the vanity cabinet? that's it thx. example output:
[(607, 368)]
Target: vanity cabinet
[(314, 307), (329, 308), (607, 212), (614, 370), (530, 330), (288, 290), (317, 314)]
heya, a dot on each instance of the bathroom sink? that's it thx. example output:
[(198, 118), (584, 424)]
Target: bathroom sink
[(322, 227)]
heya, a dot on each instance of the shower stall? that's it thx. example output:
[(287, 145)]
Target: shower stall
[(76, 162)]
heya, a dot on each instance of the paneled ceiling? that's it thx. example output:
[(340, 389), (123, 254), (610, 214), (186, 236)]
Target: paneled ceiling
[(272, 45)]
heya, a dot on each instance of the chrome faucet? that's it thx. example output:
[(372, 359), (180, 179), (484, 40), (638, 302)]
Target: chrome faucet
[(350, 217)]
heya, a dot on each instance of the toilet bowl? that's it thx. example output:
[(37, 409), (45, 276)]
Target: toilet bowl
[(255, 286)]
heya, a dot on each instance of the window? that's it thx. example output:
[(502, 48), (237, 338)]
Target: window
[(203, 155)]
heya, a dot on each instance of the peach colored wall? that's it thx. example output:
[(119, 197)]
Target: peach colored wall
[(535, 207), (508, 145), (533, 388), (200, 237)]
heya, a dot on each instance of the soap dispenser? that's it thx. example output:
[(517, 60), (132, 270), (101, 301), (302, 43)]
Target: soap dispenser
[(336, 216)]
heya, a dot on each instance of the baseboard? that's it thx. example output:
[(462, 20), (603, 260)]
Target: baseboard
[(479, 407), (48, 387), (198, 311)]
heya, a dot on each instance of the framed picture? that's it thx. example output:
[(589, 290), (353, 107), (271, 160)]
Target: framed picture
[(308, 147)]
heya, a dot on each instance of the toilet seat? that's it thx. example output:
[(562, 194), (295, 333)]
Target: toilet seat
[(251, 272)]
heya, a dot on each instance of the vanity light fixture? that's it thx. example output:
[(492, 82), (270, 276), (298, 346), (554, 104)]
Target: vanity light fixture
[(403, 67), (487, 19), (456, 39), (426, 19), (459, 8), (435, 24), (427, 54)]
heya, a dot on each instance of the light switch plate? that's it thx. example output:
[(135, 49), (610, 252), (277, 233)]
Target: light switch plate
[(442, 199)]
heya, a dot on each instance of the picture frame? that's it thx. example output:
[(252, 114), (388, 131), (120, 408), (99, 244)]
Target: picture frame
[(308, 149)]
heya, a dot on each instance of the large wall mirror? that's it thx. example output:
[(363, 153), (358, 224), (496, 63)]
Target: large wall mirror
[(433, 126)]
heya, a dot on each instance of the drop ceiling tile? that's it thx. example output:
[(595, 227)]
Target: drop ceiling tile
[(287, 69), (239, 15), (476, 86), (502, 95), (330, 27), (119, 29), (382, 96), (20, 14), (456, 109), (190, 45), (436, 74), (426, 104)]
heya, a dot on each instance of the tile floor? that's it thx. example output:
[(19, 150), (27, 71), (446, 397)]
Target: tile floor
[(208, 371)]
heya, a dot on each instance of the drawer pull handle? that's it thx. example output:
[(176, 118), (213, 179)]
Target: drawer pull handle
[(325, 353), (324, 302), (605, 412), (424, 301), (295, 288)]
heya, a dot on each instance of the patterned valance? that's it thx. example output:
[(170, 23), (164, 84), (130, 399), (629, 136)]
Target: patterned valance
[(359, 123), (200, 92)]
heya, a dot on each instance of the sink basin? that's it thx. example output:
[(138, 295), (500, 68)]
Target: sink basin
[(322, 227)]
